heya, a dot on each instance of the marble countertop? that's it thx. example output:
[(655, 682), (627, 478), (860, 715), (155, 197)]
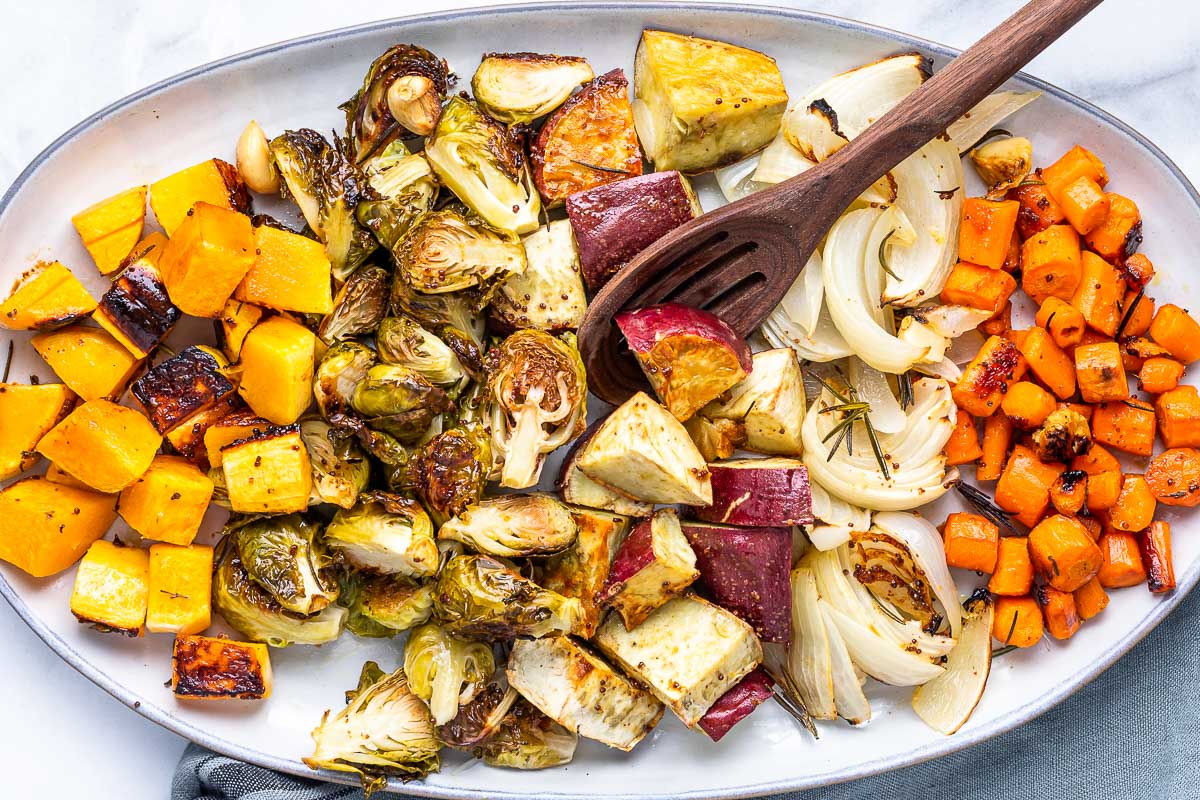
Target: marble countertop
[(68, 58)]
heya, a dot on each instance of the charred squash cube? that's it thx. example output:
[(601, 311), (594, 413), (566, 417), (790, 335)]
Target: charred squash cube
[(183, 386), (269, 473), (207, 668), (240, 424), (214, 181), (237, 319), (105, 445), (136, 309), (187, 439), (112, 588), (180, 589), (290, 273), (47, 296), (27, 413), (207, 258), (111, 228), (88, 360), (168, 502)]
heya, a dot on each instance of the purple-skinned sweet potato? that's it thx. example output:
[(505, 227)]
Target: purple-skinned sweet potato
[(653, 565), (745, 571), (616, 221), (690, 356), (736, 704), (759, 492)]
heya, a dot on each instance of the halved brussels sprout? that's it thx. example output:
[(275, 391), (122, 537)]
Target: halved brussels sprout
[(384, 605), (286, 556), (403, 342), (459, 310), (343, 367), (528, 739), (445, 251), (385, 533), (398, 400), (478, 719), (328, 188), (479, 596), (484, 165), (340, 467), (406, 187), (358, 306), (518, 88), (383, 446), (449, 473), (444, 670), (514, 526), (403, 89), (253, 612), (549, 294), (539, 392), (384, 730)]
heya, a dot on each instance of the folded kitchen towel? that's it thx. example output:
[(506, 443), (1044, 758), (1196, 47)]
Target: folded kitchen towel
[(1134, 732)]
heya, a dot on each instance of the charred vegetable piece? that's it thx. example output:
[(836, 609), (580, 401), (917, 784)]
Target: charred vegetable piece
[(616, 221), (239, 424), (450, 471), (168, 502), (359, 306), (215, 668), (702, 104), (446, 251), (384, 605), (482, 163), (286, 557), (206, 259), (716, 438), (403, 342), (406, 189), (479, 596), (112, 588), (690, 356), (384, 730), (1063, 436), (587, 142), (746, 571), (29, 413), (180, 600), (759, 492), (580, 691), (582, 570), (214, 182), (49, 526), (653, 565), (105, 445), (769, 403), (290, 273), (577, 488), (342, 368), (47, 296), (111, 228), (88, 360), (277, 369), (539, 401), (268, 473), (402, 91), (527, 739), (549, 294), (136, 309), (234, 325), (480, 718), (688, 653), (517, 88), (187, 439), (444, 670), (441, 312), (398, 400), (513, 526), (385, 533), (341, 469), (736, 704), (182, 386)]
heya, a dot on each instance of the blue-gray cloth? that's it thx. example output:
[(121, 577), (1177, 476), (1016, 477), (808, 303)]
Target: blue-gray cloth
[(1132, 733)]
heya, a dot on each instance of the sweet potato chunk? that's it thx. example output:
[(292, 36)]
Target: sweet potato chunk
[(1063, 552), (1100, 373), (1178, 413), (1013, 574), (48, 526), (986, 230), (1050, 263), (111, 228), (47, 296), (1018, 621), (1121, 561), (1024, 486), (1099, 294), (1174, 477), (971, 541), (1127, 425), (1177, 330)]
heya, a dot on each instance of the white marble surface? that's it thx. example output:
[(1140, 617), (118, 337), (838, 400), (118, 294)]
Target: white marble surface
[(63, 59)]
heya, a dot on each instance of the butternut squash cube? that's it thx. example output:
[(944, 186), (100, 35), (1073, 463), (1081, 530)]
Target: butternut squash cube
[(241, 424), (187, 438), (47, 296), (182, 386), (55, 474), (214, 181), (136, 309), (277, 369), (88, 360), (105, 445), (207, 258), (235, 323), (45, 527), (269, 473), (208, 668), (111, 228), (290, 273), (180, 589), (112, 588), (168, 502), (27, 413)]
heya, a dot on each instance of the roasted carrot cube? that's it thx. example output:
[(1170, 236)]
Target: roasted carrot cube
[(997, 435), (1138, 270), (1063, 552), (986, 229), (1136, 349), (1092, 525), (180, 589), (1013, 575), (1084, 203), (963, 446), (1174, 477), (1090, 599), (1159, 374), (48, 526), (1178, 412), (1048, 362), (214, 182), (168, 502), (47, 296), (972, 542), (1121, 563), (999, 323), (1134, 509), (111, 228), (1038, 208), (977, 286), (207, 258), (1068, 493), (1076, 162), (1017, 621), (105, 445), (1099, 294), (290, 272), (1059, 610), (1137, 314), (1104, 488), (215, 668), (112, 588), (1024, 487), (1127, 425), (1027, 404), (1100, 373), (1175, 329), (985, 380), (1050, 263), (1012, 259), (1120, 233), (1155, 543), (1062, 320)]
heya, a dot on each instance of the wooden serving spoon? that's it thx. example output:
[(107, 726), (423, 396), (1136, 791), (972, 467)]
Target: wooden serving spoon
[(739, 260)]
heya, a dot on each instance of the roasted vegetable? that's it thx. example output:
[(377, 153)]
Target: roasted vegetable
[(582, 570), (736, 704), (182, 386), (286, 557), (527, 739), (49, 526), (587, 142), (206, 259), (234, 325), (440, 312), (517, 88), (340, 468), (112, 588), (105, 445), (972, 542), (398, 400), (384, 605), (47, 296), (402, 91), (701, 104), (242, 423), (1063, 552), (445, 671), (269, 473), (359, 306), (653, 565), (549, 294), (342, 368), (111, 228), (1174, 477), (213, 182), (479, 596), (328, 188), (1002, 164), (759, 492), (180, 597), (539, 401), (447, 251), (769, 402), (215, 668), (29, 412), (513, 526), (481, 162), (406, 187), (385, 533), (450, 471), (136, 309), (1063, 435), (577, 488), (480, 718), (290, 273), (277, 369), (168, 502), (403, 342), (383, 731), (88, 360), (716, 439), (947, 701)]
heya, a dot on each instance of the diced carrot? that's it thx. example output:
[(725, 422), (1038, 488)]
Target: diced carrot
[(1096, 460), (1175, 329), (1122, 560), (977, 286), (1076, 162), (1012, 258), (1120, 233), (963, 445), (1027, 404), (1178, 412), (1127, 425), (984, 381), (1137, 313), (986, 229), (1103, 490), (1017, 336), (1017, 621), (1155, 543), (1159, 374), (1137, 269), (1092, 525), (1099, 293), (1084, 203), (1174, 477), (972, 542), (1013, 575), (1100, 373), (1062, 320), (1024, 486), (1082, 409), (997, 435), (999, 323), (1135, 505), (1048, 362), (1090, 599), (1058, 608), (1038, 208), (1063, 552), (1068, 493), (1051, 263), (1136, 349)]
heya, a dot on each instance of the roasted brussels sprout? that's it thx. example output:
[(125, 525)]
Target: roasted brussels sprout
[(403, 89), (528, 739), (458, 311), (398, 400), (444, 670), (253, 612), (445, 251), (340, 466), (479, 718), (343, 367), (517, 88), (385, 533), (359, 305), (384, 605), (479, 596), (539, 393), (286, 556), (406, 187), (513, 526), (384, 730), (484, 165), (328, 188), (449, 473), (403, 342), (549, 294), (383, 446)]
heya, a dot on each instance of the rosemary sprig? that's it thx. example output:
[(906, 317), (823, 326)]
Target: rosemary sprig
[(984, 505), (598, 168), (1128, 315), (853, 410), (904, 385), (992, 134), (883, 257), (8, 359), (1008, 648)]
